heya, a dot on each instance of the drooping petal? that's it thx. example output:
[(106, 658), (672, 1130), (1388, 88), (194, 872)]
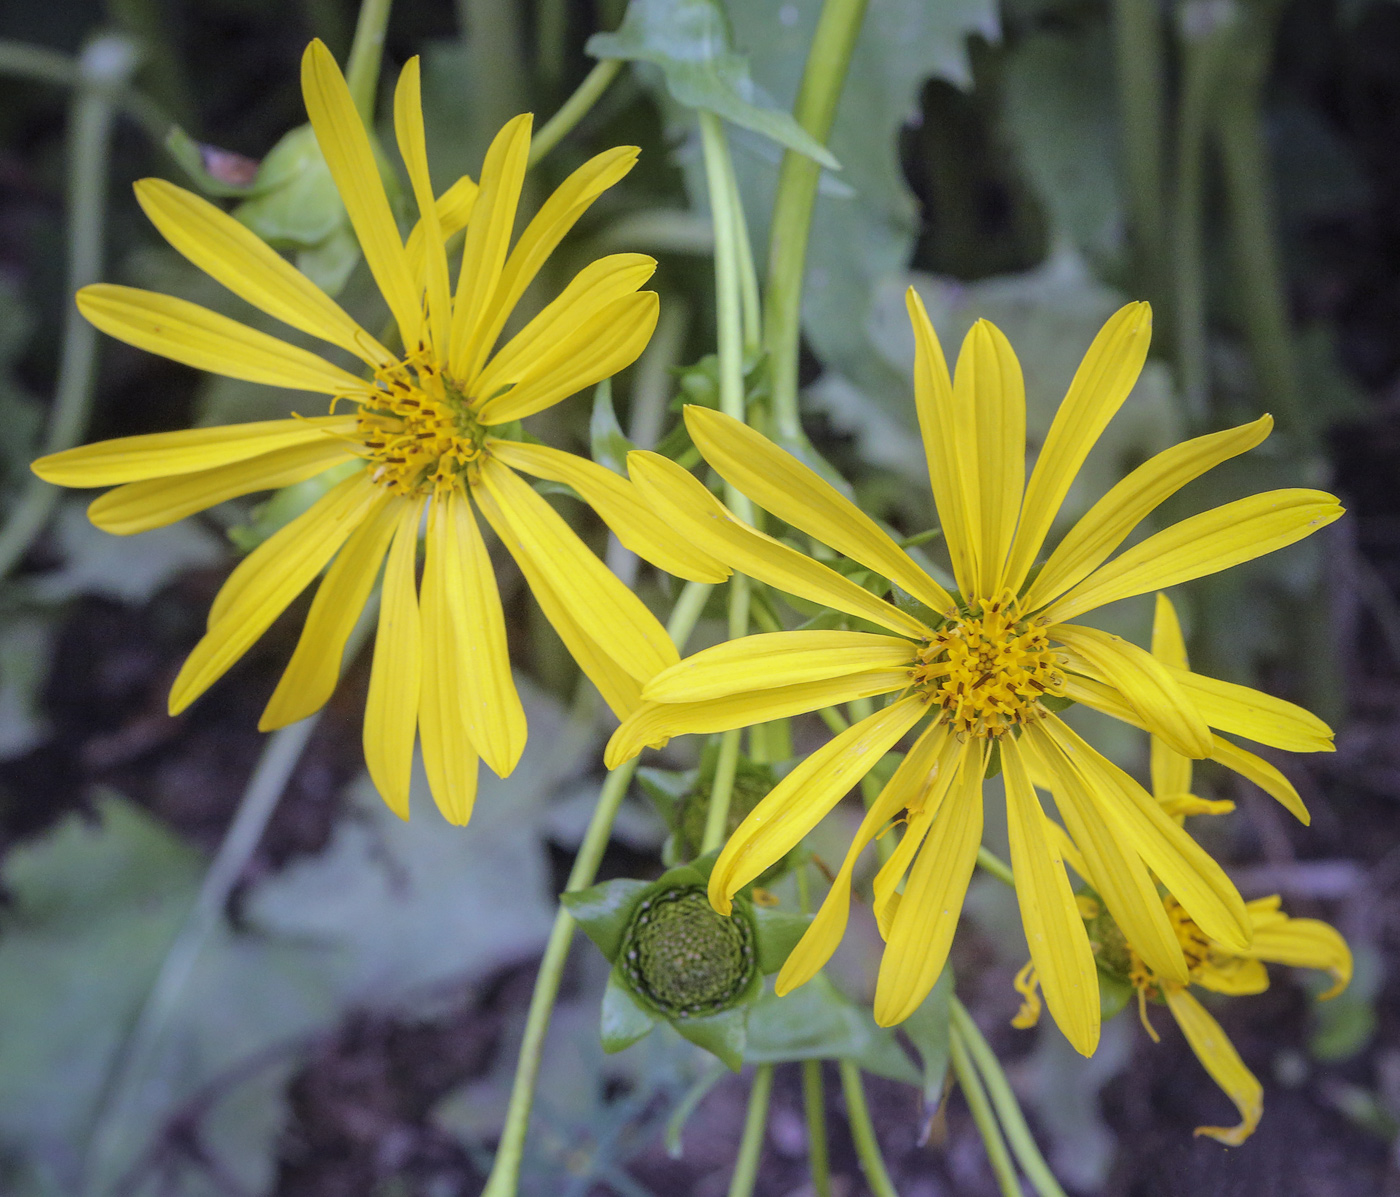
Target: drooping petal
[(1255, 715), (413, 148), (311, 675), (1109, 521), (1214, 1050), (796, 494), (1304, 943), (620, 505), (243, 262), (1234, 975), (1054, 929), (802, 799), (1105, 377), (195, 336), (346, 148), (395, 680), (1171, 772), (154, 503), (1204, 544), (454, 211), (683, 502)]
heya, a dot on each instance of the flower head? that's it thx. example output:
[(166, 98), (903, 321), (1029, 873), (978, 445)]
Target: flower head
[(985, 668), (432, 425)]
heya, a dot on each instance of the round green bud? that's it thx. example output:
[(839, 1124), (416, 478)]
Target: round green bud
[(685, 958)]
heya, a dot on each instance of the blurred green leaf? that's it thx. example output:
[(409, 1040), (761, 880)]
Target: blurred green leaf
[(778, 933), (722, 1035), (214, 171), (286, 504), (608, 443), (603, 911), (624, 1020), (927, 1029)]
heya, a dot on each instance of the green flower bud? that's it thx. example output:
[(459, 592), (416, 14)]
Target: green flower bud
[(685, 957)]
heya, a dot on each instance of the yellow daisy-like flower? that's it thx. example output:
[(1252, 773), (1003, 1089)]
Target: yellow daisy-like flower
[(428, 423), (982, 664)]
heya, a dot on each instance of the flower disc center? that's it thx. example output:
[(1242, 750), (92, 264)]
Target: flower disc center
[(687, 958), (420, 435)]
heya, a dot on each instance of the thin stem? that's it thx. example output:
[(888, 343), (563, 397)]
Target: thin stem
[(997, 867), (828, 60), (997, 1155), (751, 1145), (49, 66), (748, 273), (103, 70), (366, 53), (721, 791), (505, 1172), (814, 1100), (575, 108), (1008, 1109), (872, 1163)]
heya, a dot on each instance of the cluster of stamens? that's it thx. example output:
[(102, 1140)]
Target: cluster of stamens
[(419, 433), (988, 670), (1195, 946)]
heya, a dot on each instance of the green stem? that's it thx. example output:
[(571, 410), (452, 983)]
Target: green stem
[(750, 304), (997, 1155), (103, 70), (49, 66), (1008, 1109), (504, 1180), (751, 1145), (814, 1100), (822, 79), (872, 1163), (574, 109), (997, 867), (721, 791), (366, 53)]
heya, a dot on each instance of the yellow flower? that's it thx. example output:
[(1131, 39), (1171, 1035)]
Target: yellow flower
[(983, 663), (427, 424)]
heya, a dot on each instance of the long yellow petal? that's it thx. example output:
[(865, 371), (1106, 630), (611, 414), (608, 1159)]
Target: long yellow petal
[(243, 262), (488, 235), (188, 333), (283, 566), (1255, 715), (773, 659), (346, 147), (619, 503), (914, 774), (141, 506), (942, 430), (395, 680), (1109, 521), (413, 148), (449, 755), (1105, 377), (656, 722), (684, 503), (454, 211), (802, 799), (1305, 943), (609, 340), (1054, 929), (1204, 544), (1147, 684), (928, 911), (1171, 772), (311, 676), (602, 606), (796, 494), (1214, 1050)]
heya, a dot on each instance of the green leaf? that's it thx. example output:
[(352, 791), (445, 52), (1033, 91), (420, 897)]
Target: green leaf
[(690, 41), (603, 911), (288, 503), (624, 1019), (196, 159), (666, 788), (1114, 994), (927, 1029), (778, 933), (609, 444), (723, 1034), (295, 204)]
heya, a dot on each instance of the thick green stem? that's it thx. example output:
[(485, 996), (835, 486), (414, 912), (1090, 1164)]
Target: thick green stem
[(103, 71), (997, 867), (366, 53), (814, 1101), (872, 1163), (504, 1180), (721, 791), (997, 1155), (575, 108), (751, 1145), (822, 80)]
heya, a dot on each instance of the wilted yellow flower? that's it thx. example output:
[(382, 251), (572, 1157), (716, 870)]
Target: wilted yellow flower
[(983, 663), (432, 425)]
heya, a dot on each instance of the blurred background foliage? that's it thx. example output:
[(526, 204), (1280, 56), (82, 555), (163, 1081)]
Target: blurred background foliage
[(343, 1018)]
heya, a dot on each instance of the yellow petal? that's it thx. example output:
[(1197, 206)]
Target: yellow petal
[(1204, 544), (1234, 975), (1054, 930), (617, 500), (802, 799), (346, 147), (779, 483), (1178, 806), (773, 659), (656, 722), (188, 333), (454, 210), (311, 676), (928, 911), (1214, 1049), (488, 235), (953, 491), (1109, 521), (244, 263), (1105, 377), (1144, 681), (413, 148), (1171, 772), (395, 680), (281, 568), (1304, 943), (609, 340), (602, 606), (140, 506), (1255, 715), (915, 772), (684, 503)]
